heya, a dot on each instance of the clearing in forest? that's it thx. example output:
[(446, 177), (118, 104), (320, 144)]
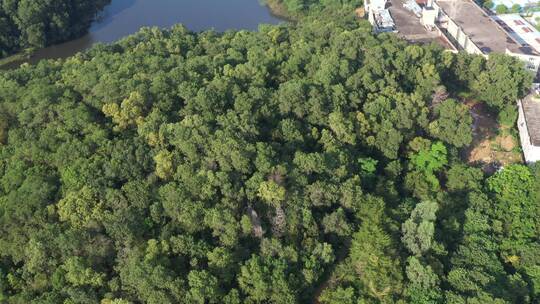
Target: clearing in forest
[(493, 145)]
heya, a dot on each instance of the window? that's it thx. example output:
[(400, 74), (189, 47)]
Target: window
[(519, 22), (526, 29)]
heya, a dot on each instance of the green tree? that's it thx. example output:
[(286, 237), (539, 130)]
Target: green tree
[(501, 9), (516, 8), (204, 287), (40, 23), (374, 256), (81, 208), (129, 113), (453, 123), (267, 279), (78, 273), (424, 164), (492, 86), (419, 229), (424, 283)]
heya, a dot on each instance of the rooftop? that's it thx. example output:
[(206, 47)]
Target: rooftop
[(383, 19), (409, 26), (531, 108), (520, 30), (481, 29)]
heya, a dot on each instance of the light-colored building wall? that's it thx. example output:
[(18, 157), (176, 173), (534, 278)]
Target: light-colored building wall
[(429, 16), (532, 62), (375, 5), (531, 153), (462, 39)]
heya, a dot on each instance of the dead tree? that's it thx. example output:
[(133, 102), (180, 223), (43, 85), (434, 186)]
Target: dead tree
[(256, 229)]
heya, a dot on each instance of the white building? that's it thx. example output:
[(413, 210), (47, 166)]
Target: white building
[(375, 5), (529, 128), (520, 30), (430, 15), (533, 18), (379, 16), (474, 31)]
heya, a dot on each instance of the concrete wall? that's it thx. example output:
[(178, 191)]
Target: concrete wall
[(457, 33), (531, 153), (429, 16), (442, 35), (371, 19), (462, 39)]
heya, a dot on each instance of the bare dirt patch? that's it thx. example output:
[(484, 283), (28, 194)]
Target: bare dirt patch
[(360, 12), (506, 143), (492, 146)]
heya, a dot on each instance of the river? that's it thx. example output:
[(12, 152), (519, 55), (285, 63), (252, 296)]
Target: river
[(123, 17)]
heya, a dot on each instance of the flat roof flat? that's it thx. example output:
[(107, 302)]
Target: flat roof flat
[(384, 19), (531, 108), (481, 29), (520, 29), (409, 26)]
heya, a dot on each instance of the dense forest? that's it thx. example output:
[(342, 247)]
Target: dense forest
[(38, 23), (300, 8), (303, 162)]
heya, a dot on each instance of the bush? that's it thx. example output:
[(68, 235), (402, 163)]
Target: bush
[(501, 9), (508, 116)]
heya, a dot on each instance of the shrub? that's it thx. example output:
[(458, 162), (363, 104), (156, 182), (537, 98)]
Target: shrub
[(501, 9)]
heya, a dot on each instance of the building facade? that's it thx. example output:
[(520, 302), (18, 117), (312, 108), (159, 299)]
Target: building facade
[(529, 128)]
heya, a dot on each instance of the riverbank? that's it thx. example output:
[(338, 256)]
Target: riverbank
[(278, 9), (21, 56), (122, 18)]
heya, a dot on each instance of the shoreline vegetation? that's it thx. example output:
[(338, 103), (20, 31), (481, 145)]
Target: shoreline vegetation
[(33, 24), (20, 56), (278, 9), (296, 10), (13, 58), (275, 7)]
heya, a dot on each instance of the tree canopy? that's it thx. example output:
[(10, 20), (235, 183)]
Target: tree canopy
[(304, 160), (38, 23)]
